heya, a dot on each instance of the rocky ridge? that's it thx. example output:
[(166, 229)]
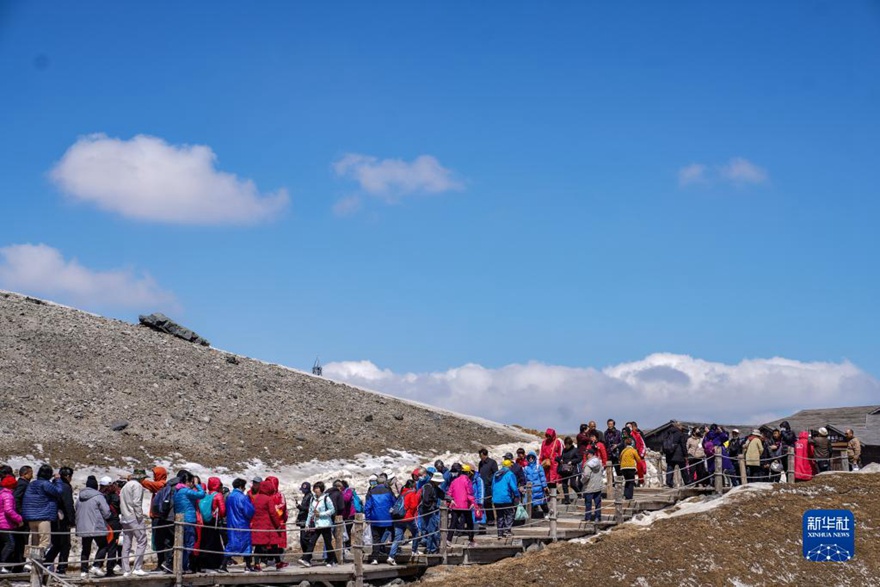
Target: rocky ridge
[(87, 390)]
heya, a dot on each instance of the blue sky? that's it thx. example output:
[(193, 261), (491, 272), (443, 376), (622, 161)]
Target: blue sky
[(614, 181)]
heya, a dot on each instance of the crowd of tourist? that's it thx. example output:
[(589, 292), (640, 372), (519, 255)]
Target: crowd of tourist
[(249, 520)]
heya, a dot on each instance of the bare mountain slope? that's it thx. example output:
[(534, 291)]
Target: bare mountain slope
[(66, 376)]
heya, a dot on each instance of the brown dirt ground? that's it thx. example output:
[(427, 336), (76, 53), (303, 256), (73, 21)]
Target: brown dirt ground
[(754, 540)]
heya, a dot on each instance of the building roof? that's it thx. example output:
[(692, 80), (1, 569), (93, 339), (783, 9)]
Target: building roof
[(863, 420)]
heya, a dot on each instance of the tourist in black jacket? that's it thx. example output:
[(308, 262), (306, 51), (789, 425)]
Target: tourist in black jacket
[(61, 528)]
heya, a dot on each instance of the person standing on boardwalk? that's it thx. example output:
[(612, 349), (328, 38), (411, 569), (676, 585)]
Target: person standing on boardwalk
[(159, 529), (461, 505), (629, 459), (377, 509), (613, 444), (593, 481), (239, 513), (319, 524), (487, 469), (39, 507), (131, 499), (92, 513), (551, 448), (822, 450), (10, 520), (505, 496), (61, 527)]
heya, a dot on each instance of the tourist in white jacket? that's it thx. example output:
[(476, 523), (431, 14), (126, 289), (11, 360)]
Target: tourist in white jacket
[(131, 516), (593, 478)]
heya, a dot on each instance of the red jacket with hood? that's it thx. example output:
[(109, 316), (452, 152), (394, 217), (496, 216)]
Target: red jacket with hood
[(265, 517), (550, 449)]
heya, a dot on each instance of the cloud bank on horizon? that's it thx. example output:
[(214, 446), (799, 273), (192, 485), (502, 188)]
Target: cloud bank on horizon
[(651, 391)]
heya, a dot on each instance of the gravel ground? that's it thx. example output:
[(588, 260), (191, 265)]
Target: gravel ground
[(66, 376)]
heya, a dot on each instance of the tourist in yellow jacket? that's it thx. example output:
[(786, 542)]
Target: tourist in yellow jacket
[(629, 462)]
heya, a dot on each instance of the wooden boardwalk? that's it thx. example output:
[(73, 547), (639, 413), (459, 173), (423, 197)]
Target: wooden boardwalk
[(567, 524)]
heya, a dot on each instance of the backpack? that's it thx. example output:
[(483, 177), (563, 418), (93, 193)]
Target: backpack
[(669, 444), (357, 502), (206, 507), (162, 505), (398, 510)]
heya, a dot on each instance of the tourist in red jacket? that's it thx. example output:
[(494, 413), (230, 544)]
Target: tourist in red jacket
[(551, 448), (265, 525)]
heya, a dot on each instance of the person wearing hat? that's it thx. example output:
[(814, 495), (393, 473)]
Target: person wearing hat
[(131, 499), (516, 468), (9, 520), (461, 505), (92, 513), (593, 481), (753, 451), (110, 491), (430, 497), (255, 486), (822, 450), (505, 496)]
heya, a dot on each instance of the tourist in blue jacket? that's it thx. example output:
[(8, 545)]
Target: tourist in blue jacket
[(39, 506), (239, 511), (186, 501), (377, 508), (535, 475), (505, 496)]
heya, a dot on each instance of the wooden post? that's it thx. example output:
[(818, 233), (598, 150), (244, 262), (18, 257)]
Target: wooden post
[(609, 479), (528, 497), (743, 475), (618, 500), (844, 461), (357, 549), (553, 514), (790, 472), (660, 477), (338, 538), (178, 550), (676, 477), (444, 526), (36, 555), (719, 472)]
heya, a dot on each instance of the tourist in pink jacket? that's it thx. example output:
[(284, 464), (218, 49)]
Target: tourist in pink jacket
[(9, 520), (461, 504)]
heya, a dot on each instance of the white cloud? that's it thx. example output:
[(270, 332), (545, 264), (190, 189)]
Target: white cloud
[(389, 179), (347, 206), (41, 270), (737, 170), (693, 173), (651, 391), (145, 178)]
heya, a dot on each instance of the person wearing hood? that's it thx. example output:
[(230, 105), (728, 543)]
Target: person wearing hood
[(161, 532), (551, 449), (675, 450), (505, 496), (479, 489), (822, 450), (803, 457), (212, 510), (265, 525), (377, 509), (187, 495), (786, 434), (239, 513), (61, 527), (92, 513), (134, 532), (593, 481), (535, 475), (275, 549), (408, 522), (461, 505), (10, 520), (641, 448)]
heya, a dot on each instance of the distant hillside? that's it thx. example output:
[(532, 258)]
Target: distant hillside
[(66, 376)]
